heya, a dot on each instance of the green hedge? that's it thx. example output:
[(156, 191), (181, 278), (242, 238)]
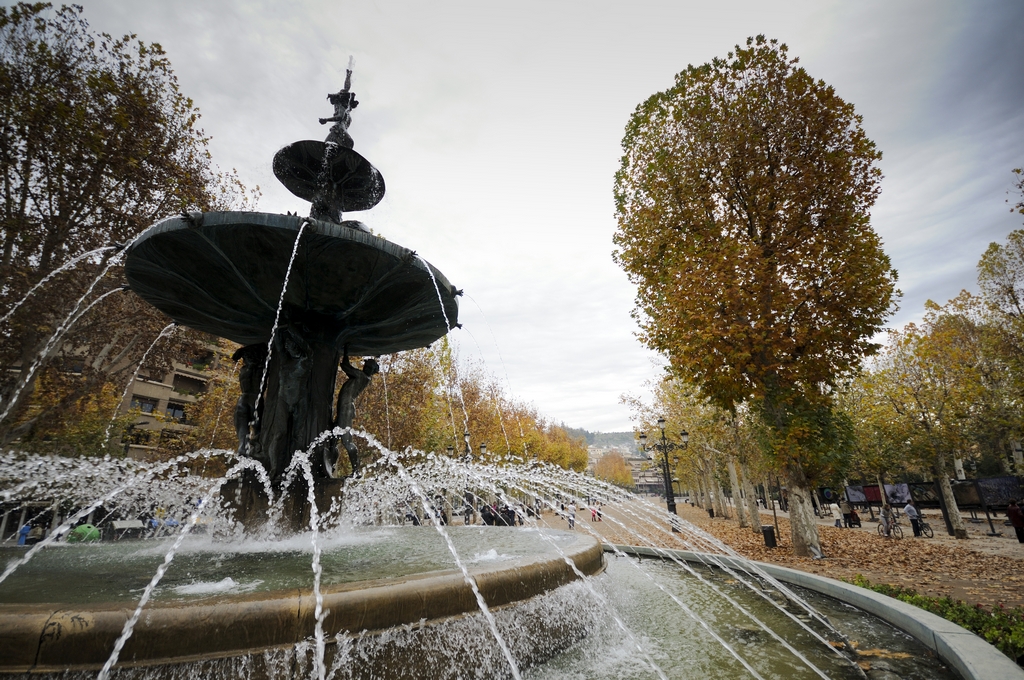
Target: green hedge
[(1002, 627)]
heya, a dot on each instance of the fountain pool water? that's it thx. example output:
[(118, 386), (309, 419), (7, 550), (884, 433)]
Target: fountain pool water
[(564, 632), (238, 605), (116, 573)]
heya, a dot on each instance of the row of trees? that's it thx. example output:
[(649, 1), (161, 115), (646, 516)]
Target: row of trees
[(743, 203), (941, 394), (96, 143)]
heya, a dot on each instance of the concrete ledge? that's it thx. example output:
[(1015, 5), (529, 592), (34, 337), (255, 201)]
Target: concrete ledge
[(968, 654), (52, 638)]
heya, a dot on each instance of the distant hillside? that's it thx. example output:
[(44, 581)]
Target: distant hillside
[(604, 439)]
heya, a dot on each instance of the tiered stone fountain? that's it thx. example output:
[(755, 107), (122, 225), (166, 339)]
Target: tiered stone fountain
[(299, 294)]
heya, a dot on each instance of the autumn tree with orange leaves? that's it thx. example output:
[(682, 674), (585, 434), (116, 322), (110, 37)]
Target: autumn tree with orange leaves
[(743, 205)]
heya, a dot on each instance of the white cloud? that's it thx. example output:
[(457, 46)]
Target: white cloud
[(497, 127)]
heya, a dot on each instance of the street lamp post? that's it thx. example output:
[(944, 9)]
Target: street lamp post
[(665, 447)]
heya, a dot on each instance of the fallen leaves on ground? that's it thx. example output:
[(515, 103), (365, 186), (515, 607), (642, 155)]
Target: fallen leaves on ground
[(930, 567)]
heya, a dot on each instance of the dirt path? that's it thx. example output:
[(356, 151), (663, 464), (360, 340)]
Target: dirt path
[(982, 570)]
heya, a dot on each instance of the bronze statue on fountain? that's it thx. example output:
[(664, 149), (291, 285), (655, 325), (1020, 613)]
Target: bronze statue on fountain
[(348, 292)]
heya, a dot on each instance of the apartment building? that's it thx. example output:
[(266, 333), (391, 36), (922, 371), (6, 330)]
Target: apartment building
[(163, 400)]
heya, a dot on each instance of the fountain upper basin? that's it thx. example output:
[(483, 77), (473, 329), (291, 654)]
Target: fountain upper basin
[(221, 272)]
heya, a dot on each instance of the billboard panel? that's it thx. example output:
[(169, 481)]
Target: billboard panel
[(855, 494), (999, 491)]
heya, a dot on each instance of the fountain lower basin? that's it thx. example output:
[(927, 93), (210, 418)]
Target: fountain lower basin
[(45, 637)]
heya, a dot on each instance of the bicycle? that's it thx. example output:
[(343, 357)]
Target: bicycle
[(926, 529), (894, 529)]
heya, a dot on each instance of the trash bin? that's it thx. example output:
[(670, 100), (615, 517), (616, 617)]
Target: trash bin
[(769, 535), (711, 513)]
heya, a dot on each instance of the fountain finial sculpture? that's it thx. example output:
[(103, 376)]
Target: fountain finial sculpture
[(348, 292), (330, 174)]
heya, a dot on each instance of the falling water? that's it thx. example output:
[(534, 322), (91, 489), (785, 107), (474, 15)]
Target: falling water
[(689, 612), (507, 475), (387, 406), (220, 412), (167, 330), (64, 267), (277, 319), (448, 326), (730, 600), (586, 581), (504, 368), (314, 527), (711, 558), (708, 545), (470, 581), (704, 542), (68, 523), (71, 318), (497, 403), (129, 625)]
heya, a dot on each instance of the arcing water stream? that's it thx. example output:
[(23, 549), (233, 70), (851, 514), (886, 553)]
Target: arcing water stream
[(380, 502)]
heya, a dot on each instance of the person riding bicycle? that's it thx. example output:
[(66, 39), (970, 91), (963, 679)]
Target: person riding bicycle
[(887, 518)]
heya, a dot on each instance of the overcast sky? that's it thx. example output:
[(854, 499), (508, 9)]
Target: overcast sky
[(497, 129)]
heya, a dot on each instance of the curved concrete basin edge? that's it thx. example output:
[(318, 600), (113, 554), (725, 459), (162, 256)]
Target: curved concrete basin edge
[(968, 654)]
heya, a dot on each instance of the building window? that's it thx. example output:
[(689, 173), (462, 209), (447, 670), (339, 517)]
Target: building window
[(139, 437), (202, 361), (176, 412), (143, 404), (184, 384)]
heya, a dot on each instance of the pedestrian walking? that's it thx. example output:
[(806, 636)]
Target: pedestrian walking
[(846, 509), (914, 516), (593, 514), (572, 516), (1016, 517)]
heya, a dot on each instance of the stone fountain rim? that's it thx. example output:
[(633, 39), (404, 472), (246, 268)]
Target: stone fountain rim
[(412, 287), (966, 653), (46, 638), (347, 229)]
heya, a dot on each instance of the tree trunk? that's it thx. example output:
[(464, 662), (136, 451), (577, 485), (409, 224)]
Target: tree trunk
[(958, 468), (714, 491), (722, 503), (737, 491), (803, 527), (953, 517), (751, 494)]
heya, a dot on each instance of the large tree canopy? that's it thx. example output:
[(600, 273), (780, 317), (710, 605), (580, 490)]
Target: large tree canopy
[(96, 143), (743, 204), (743, 207)]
